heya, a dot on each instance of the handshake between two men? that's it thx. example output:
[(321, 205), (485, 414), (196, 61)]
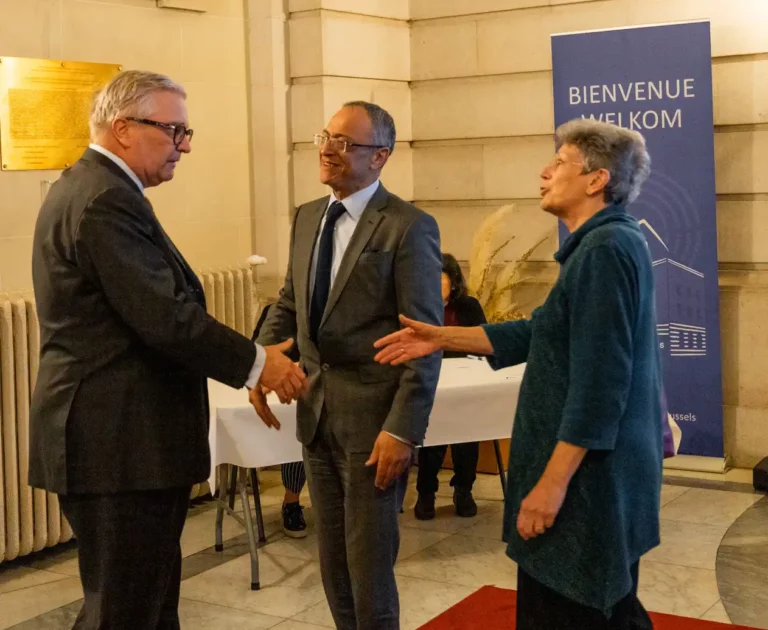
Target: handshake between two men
[(280, 375)]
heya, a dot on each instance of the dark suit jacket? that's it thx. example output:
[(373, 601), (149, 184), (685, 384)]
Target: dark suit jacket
[(126, 345), (468, 313), (392, 265)]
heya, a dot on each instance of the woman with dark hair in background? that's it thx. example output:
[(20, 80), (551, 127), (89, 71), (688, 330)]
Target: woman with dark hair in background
[(460, 310)]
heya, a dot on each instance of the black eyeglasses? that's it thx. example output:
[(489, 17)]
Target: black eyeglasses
[(178, 132)]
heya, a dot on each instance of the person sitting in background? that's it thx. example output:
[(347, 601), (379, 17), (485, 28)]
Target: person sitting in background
[(293, 474), (460, 310)]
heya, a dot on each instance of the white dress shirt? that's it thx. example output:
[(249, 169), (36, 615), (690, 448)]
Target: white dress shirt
[(345, 226), (342, 234), (261, 354)]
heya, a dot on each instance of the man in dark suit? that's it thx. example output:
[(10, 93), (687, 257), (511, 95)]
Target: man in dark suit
[(119, 424), (358, 258)]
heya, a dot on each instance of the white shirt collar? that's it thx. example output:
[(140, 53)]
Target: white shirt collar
[(127, 169), (357, 202)]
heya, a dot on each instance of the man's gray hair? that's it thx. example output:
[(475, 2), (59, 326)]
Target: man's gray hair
[(130, 93), (384, 133), (620, 151)]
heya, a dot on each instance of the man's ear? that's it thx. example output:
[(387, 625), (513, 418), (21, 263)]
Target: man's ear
[(121, 129), (379, 159)]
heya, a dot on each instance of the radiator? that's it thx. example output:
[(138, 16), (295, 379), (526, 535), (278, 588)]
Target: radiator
[(30, 519)]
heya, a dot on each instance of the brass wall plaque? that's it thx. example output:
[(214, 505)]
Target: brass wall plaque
[(44, 109)]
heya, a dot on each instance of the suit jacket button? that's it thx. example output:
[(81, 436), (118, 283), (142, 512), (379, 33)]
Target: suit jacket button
[(325, 367)]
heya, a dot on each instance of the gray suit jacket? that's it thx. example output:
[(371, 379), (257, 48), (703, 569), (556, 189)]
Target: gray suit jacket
[(392, 265), (121, 400)]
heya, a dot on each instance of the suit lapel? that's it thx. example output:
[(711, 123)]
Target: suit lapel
[(369, 220), (304, 246)]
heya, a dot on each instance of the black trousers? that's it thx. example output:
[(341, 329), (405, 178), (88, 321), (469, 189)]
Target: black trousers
[(130, 557), (464, 466), (540, 608)]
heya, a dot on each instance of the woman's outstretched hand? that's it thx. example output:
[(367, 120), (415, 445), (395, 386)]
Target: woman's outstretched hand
[(415, 340)]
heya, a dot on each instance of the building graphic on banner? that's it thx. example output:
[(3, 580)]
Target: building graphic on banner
[(680, 312)]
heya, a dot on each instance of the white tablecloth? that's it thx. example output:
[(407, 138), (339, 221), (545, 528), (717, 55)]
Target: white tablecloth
[(473, 403)]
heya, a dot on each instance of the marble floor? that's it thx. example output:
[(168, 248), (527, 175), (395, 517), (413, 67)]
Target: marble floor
[(712, 564)]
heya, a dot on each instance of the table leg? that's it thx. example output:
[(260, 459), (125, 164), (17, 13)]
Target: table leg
[(222, 472), (257, 505), (500, 464), (232, 485), (252, 544)]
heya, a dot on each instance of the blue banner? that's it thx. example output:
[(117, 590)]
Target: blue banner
[(658, 80)]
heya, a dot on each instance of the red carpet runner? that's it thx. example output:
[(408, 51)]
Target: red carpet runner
[(493, 608)]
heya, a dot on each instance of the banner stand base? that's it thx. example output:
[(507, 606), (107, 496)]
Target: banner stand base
[(696, 463)]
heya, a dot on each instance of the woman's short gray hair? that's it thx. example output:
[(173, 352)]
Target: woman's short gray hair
[(384, 133), (620, 151), (130, 93)]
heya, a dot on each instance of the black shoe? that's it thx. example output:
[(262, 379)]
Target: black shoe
[(425, 507), (294, 524), (464, 503)]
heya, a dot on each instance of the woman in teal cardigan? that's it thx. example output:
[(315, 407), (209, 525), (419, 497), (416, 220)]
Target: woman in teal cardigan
[(586, 453)]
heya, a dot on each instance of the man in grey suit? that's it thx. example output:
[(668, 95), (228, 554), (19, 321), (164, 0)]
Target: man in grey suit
[(358, 258), (119, 419)]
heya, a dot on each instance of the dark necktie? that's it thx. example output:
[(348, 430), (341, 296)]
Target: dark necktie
[(323, 269)]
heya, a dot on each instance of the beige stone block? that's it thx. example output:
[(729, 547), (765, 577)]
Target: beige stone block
[(742, 231), (737, 29), (397, 175), (503, 38), (20, 200), (366, 47), (430, 9), (511, 169), (740, 161), (213, 49), (30, 28), (512, 105), (743, 328), (308, 115), (305, 36), (266, 50), (306, 185), (15, 264), (458, 224), (448, 172), (746, 435), (395, 9), (106, 33), (440, 50), (258, 9), (740, 88), (737, 26), (211, 244), (218, 171)]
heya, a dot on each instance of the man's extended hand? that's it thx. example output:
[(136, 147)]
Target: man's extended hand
[(258, 398), (539, 509), (280, 374), (391, 457)]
